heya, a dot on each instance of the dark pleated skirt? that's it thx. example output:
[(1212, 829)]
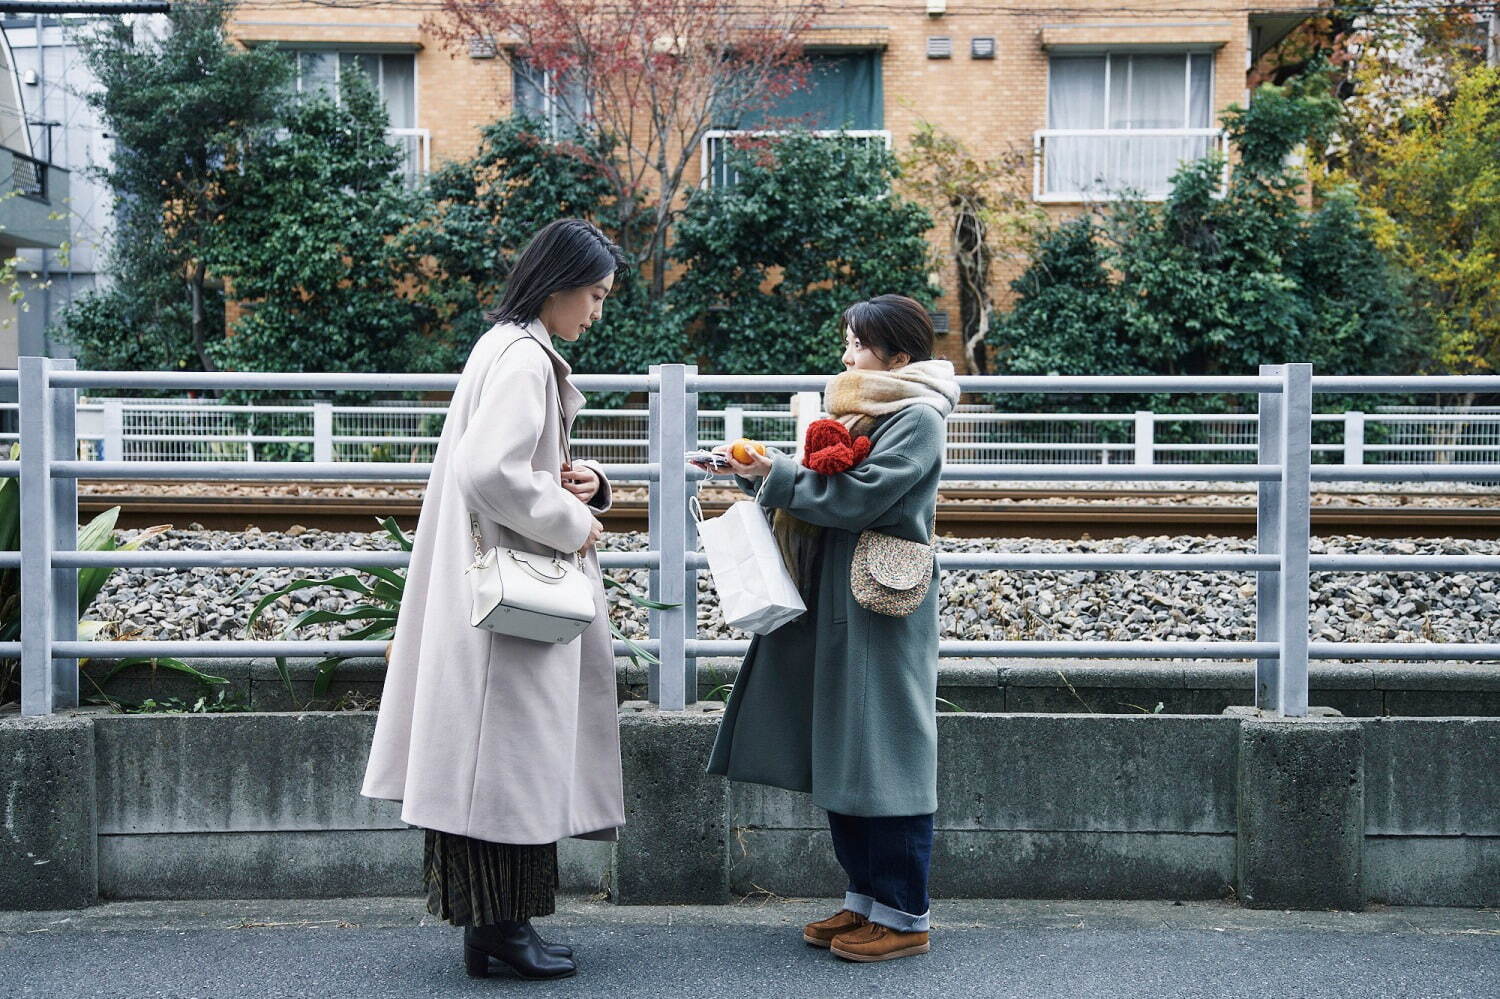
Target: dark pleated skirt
[(473, 882)]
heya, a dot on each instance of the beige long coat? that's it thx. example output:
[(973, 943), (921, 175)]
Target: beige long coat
[(485, 735)]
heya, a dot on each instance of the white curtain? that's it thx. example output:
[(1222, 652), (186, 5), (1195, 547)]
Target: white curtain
[(1200, 90), (398, 89), (1125, 92), (1076, 95)]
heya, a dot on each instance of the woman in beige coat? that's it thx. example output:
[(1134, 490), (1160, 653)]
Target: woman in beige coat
[(499, 746)]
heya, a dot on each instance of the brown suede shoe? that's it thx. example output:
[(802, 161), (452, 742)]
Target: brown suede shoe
[(874, 942), (821, 933)]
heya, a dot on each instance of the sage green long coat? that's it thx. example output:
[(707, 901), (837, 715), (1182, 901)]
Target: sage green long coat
[(841, 702)]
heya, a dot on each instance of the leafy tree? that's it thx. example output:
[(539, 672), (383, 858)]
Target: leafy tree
[(810, 226), (1067, 290), (310, 248), (658, 75), (143, 319), (1434, 185), (480, 214), (182, 109), (1357, 294), (1211, 284), (987, 208)]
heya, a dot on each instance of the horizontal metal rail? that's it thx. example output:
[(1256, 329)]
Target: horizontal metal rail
[(1282, 470), (279, 558), (232, 649)]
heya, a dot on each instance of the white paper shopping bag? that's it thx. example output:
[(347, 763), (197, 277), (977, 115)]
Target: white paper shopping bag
[(756, 593)]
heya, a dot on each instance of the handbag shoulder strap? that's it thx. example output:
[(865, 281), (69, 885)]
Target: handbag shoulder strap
[(562, 426)]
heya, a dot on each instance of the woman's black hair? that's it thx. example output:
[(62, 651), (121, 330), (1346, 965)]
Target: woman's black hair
[(890, 325), (563, 255)]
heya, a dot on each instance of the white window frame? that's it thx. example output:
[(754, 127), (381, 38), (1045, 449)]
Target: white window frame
[(551, 117), (708, 177), (1217, 137), (415, 142)]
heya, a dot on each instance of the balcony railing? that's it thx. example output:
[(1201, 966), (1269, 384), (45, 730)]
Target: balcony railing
[(414, 143), (28, 177), (1102, 164), (714, 168)]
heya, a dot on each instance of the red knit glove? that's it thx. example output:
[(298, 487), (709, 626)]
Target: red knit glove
[(830, 450)]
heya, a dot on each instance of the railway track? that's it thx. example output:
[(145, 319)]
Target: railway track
[(964, 512)]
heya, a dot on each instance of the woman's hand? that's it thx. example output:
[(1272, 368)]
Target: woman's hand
[(759, 465), (580, 480), (596, 531)]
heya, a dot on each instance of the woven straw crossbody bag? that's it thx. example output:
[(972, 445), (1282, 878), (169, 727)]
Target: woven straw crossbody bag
[(891, 575)]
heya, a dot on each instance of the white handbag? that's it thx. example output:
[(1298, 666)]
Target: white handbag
[(541, 597), (756, 593)]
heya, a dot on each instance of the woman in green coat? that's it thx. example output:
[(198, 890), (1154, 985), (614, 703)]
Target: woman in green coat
[(840, 703)]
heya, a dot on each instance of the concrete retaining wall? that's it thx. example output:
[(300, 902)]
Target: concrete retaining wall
[(977, 685), (1432, 811), (1031, 805), (258, 806)]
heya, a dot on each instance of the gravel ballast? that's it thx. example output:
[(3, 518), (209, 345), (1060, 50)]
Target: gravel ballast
[(207, 603)]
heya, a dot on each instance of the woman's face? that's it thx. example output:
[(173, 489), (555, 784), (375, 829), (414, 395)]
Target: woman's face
[(568, 313), (858, 356)]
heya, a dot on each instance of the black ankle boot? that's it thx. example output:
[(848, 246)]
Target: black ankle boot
[(515, 945), (555, 949)]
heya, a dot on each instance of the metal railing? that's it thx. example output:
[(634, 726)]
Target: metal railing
[(715, 170), (122, 429), (1283, 473), (416, 148), (1101, 164), (28, 177)]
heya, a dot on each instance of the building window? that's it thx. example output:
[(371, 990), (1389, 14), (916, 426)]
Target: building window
[(393, 75), (843, 91), (843, 97), (563, 107), (1123, 122)]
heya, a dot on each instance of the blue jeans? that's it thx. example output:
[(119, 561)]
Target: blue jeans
[(888, 859)]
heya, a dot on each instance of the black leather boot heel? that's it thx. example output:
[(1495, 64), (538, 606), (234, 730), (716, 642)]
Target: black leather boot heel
[(517, 947), (476, 962)]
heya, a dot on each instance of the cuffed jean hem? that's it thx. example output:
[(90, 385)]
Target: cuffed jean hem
[(859, 904), (902, 922)]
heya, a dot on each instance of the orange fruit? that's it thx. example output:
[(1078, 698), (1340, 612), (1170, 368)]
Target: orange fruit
[(740, 449)]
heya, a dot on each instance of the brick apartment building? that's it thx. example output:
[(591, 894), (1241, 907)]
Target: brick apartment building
[(1106, 96)]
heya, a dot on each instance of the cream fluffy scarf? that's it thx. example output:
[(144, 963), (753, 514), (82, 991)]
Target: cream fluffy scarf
[(857, 399)]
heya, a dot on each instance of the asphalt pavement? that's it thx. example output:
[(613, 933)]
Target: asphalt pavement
[(378, 948)]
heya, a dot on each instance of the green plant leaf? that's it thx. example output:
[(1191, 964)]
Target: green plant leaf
[(324, 671), (362, 612), (349, 584), (394, 530), (163, 662)]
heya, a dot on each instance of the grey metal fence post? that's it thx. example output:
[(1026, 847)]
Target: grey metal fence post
[(671, 434), (65, 609), (684, 487), (653, 526), (1296, 501), (1354, 438), (322, 431), (1268, 541), (37, 694), (1145, 437)]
